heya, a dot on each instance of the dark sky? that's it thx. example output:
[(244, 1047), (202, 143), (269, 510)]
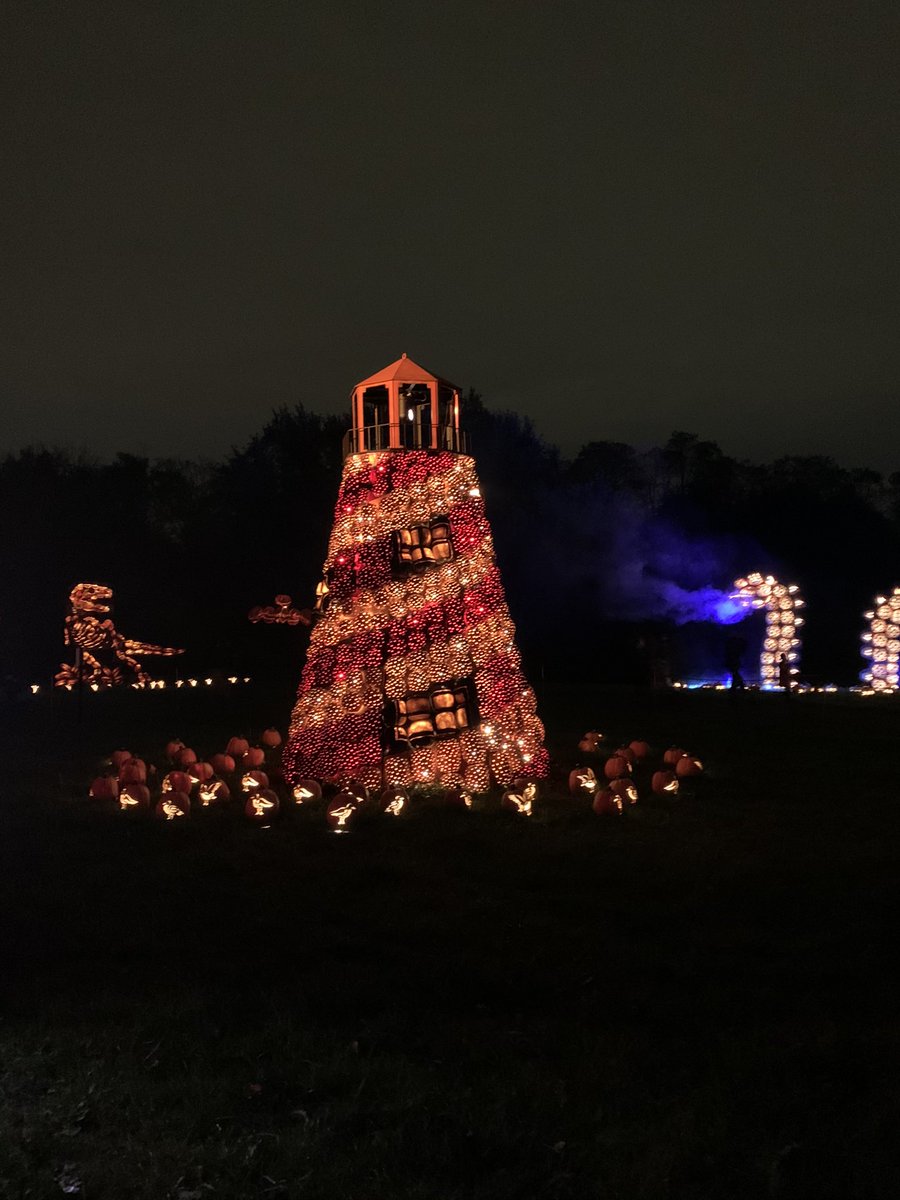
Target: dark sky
[(617, 218)]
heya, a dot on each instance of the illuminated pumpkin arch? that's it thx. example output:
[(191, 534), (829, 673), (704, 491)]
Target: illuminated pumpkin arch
[(881, 643), (781, 602)]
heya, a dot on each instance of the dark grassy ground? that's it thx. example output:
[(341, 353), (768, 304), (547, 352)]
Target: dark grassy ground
[(696, 1000)]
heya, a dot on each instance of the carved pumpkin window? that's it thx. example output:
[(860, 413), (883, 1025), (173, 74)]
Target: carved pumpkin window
[(422, 546), (444, 711)]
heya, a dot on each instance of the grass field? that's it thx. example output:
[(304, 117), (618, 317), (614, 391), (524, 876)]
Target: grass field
[(694, 1000)]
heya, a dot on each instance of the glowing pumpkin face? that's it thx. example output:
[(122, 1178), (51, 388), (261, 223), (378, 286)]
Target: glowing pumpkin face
[(252, 781), (665, 783), (520, 799), (394, 801), (625, 790), (607, 803), (134, 797), (261, 806), (213, 791), (177, 781), (342, 811), (173, 806), (583, 782), (306, 790)]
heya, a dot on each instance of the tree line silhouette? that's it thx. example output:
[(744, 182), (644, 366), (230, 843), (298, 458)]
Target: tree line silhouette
[(603, 555)]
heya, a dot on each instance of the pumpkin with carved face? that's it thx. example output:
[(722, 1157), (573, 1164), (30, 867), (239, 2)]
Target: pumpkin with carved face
[(520, 797), (394, 801), (306, 791), (688, 766), (252, 781), (261, 806), (177, 781), (173, 806), (134, 797), (199, 772), (665, 783), (626, 790), (607, 803), (583, 782), (342, 811), (212, 792)]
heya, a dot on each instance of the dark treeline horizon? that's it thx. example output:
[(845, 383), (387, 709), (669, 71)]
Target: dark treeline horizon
[(606, 556)]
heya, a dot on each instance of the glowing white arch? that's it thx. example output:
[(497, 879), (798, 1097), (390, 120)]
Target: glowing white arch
[(881, 643), (781, 602)]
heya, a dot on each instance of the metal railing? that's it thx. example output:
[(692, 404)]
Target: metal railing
[(408, 435)]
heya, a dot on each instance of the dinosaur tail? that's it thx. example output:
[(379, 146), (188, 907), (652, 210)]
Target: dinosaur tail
[(147, 648)]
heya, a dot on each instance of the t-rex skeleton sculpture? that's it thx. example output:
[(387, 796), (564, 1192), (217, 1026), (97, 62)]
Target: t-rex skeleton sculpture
[(99, 640)]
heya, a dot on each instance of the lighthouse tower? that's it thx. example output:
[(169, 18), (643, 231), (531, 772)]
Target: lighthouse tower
[(412, 674)]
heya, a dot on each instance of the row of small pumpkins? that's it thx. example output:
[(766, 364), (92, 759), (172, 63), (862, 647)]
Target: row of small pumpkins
[(128, 786), (620, 790)]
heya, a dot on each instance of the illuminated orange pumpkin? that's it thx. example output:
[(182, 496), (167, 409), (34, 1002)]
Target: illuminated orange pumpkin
[(520, 799), (342, 811), (253, 757), (222, 764), (306, 790), (177, 781), (261, 805), (590, 743), (627, 753), (270, 737), (133, 771), (664, 783), (200, 771), (134, 797), (213, 791), (172, 748), (172, 806), (394, 801), (252, 781), (672, 755), (625, 789), (687, 766), (641, 749), (104, 787), (607, 803), (186, 757), (237, 747), (616, 767), (120, 756), (583, 782)]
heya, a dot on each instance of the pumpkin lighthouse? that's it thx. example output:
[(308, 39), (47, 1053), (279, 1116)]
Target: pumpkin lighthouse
[(412, 674)]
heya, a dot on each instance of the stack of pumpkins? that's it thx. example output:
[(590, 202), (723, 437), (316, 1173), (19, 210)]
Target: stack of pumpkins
[(617, 789), (186, 781)]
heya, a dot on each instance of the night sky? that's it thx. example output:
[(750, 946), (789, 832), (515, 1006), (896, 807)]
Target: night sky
[(618, 219)]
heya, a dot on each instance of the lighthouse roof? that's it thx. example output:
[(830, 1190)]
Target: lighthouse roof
[(404, 370)]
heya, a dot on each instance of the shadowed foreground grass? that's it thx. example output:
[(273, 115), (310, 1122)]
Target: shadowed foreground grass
[(695, 1000)]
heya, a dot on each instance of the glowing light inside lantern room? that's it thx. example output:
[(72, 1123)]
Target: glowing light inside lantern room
[(881, 644)]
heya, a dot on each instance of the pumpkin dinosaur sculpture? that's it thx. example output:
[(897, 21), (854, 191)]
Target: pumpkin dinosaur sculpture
[(104, 651)]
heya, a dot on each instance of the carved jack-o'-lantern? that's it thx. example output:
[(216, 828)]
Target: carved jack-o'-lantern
[(213, 791), (607, 803), (199, 772), (261, 806), (134, 797), (590, 743), (120, 756), (395, 801), (253, 757), (641, 749), (687, 766), (625, 789), (172, 748), (173, 806), (583, 782), (672, 755), (342, 811), (616, 767), (133, 770), (104, 787), (270, 737), (186, 757), (520, 797), (252, 781), (237, 747), (222, 764), (177, 781), (665, 783), (306, 790)]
